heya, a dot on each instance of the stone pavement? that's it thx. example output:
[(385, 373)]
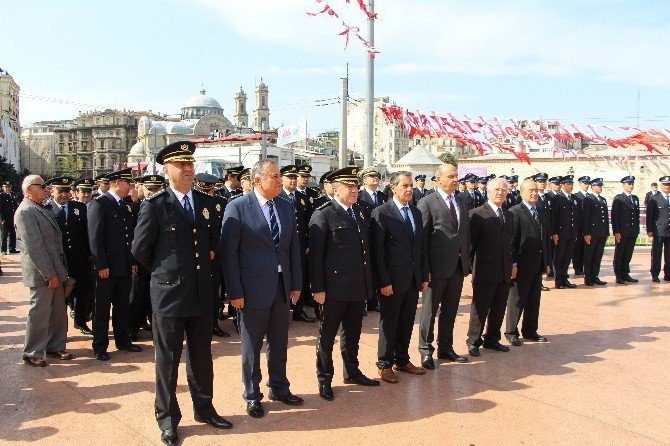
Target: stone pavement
[(601, 380)]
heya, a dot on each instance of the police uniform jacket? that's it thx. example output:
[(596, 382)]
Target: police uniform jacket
[(418, 195), (595, 216), (580, 197), (301, 209), (658, 216), (9, 203), (75, 237), (177, 253), (626, 215), (110, 235), (564, 216), (339, 253), (365, 200)]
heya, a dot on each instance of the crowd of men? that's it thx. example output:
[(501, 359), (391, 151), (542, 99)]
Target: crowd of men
[(162, 253)]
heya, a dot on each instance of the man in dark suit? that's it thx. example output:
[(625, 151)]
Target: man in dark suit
[(473, 198), (491, 231), (71, 217), (420, 190), (341, 277), (578, 254), (563, 231), (401, 270), (176, 240), (658, 227), (9, 203), (596, 224), (543, 202), (653, 192), (110, 234), (529, 262), (446, 241), (626, 228), (261, 265)]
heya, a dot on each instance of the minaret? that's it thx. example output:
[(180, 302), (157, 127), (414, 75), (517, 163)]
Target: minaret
[(262, 111), (241, 117)]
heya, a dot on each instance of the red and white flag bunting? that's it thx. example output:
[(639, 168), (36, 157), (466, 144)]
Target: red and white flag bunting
[(349, 30)]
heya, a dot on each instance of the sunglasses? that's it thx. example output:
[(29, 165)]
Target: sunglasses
[(41, 185)]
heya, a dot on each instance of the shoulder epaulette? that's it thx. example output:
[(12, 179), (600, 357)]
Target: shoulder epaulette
[(325, 205), (99, 197), (157, 194), (201, 193), (232, 197)]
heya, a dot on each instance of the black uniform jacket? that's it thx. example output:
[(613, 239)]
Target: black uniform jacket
[(626, 215), (595, 216), (564, 216), (110, 235), (75, 237), (658, 216)]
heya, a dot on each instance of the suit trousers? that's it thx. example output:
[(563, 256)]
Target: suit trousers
[(524, 299), (350, 315), (445, 295), (46, 325), (488, 302), (623, 253), (168, 334), (217, 291), (140, 302), (578, 254), (660, 246), (112, 292), (8, 232), (256, 324), (305, 292), (593, 256), (562, 256), (396, 321), (82, 297)]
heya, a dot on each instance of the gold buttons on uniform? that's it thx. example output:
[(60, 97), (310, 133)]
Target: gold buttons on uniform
[(195, 243), (197, 266), (194, 230), (197, 255)]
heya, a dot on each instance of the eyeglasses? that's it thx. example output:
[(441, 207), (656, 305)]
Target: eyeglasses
[(41, 185)]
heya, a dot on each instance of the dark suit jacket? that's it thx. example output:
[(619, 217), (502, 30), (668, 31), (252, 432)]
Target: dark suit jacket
[(302, 213), (658, 216), (417, 195), (442, 241), (531, 240), (110, 234), (176, 253), (564, 216), (595, 216), (648, 195), (75, 237), (491, 245), (399, 259), (250, 258), (9, 203), (365, 200), (339, 253), (626, 215)]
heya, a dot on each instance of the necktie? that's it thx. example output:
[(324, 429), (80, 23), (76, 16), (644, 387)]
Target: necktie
[(533, 212), (667, 198), (274, 226), (189, 210), (292, 197), (408, 222), (452, 211), (350, 211), (374, 198), (500, 215), (62, 217), (631, 200)]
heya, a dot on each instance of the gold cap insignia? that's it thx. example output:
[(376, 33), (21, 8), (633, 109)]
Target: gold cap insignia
[(184, 147), (205, 213), (354, 171)]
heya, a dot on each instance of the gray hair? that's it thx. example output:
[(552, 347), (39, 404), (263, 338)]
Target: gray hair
[(259, 169), (28, 181), (442, 168), (394, 179), (492, 184), (526, 183)]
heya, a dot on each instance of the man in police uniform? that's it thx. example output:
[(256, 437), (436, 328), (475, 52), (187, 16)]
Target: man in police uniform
[(84, 187), (563, 231), (370, 197), (102, 182), (578, 255), (301, 206), (72, 221), (420, 190), (9, 203), (231, 186), (207, 183), (176, 241), (304, 174), (626, 228), (110, 234), (327, 189), (658, 227), (341, 277), (513, 196), (596, 228), (548, 198)]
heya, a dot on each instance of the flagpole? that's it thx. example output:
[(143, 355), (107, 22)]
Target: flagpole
[(370, 90)]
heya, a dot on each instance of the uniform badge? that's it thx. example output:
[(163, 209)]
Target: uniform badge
[(361, 214), (218, 207), (205, 213), (129, 208), (311, 199), (302, 202), (76, 211)]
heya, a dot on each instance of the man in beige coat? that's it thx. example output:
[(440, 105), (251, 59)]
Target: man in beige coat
[(44, 271)]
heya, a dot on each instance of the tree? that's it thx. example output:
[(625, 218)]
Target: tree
[(8, 173), (68, 166), (449, 158)]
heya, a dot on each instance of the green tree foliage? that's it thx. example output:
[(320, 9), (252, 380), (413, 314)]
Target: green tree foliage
[(449, 158), (9, 173)]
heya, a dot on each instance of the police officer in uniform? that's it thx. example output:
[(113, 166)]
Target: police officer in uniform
[(206, 183), (84, 187), (110, 234), (420, 190), (231, 186), (513, 196), (626, 228), (71, 217), (102, 183), (326, 188), (578, 256), (658, 227), (564, 231), (176, 240), (596, 227), (304, 174), (9, 203)]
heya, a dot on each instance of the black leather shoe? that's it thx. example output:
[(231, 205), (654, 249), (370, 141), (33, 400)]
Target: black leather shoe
[(170, 437), (102, 356), (452, 356), (474, 351), (220, 333), (559, 286), (83, 328), (621, 281), (536, 338), (569, 285), (597, 281), (14, 251), (289, 399), (362, 380), (515, 341), (545, 288), (301, 316), (215, 420), (130, 347), (374, 308), (427, 362), (255, 409), (655, 279), (497, 347), (589, 283), (326, 392), (630, 279)]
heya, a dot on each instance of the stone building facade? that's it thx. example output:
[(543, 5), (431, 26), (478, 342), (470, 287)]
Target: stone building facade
[(38, 146), (9, 119)]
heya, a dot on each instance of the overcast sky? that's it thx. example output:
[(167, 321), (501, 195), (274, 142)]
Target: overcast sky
[(580, 61)]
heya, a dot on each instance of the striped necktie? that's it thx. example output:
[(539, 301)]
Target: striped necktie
[(274, 225)]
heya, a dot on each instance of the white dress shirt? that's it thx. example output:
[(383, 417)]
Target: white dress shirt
[(451, 201), (399, 205)]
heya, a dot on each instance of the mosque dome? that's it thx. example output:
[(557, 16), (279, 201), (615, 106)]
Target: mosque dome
[(201, 105)]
